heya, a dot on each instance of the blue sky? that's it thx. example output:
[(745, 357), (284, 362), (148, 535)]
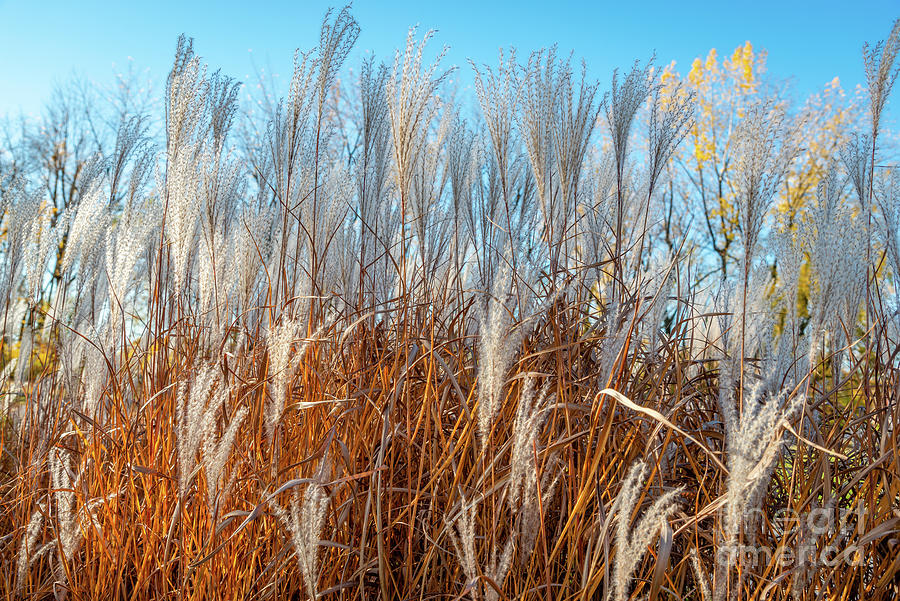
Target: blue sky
[(46, 41)]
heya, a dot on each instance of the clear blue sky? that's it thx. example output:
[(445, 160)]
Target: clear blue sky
[(46, 41)]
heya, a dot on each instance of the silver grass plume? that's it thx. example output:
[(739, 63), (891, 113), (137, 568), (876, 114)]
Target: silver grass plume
[(330, 182), (223, 186), (343, 275), (632, 542), (529, 512), (304, 520), (336, 39), (198, 180), (94, 374), (538, 107), (68, 521), (881, 74), (185, 88), (281, 340), (29, 552), (671, 118), (126, 242), (789, 257), (462, 535), (837, 244), (328, 221), (573, 123), (530, 414), (498, 566), (463, 165), (888, 200), (183, 186), (498, 97), (765, 146), (463, 540), (281, 368), (372, 175), (753, 441), (23, 207), (625, 99), (700, 576), (216, 452), (41, 240), (131, 160), (499, 340), (597, 215), (249, 244), (484, 214), (412, 101), (87, 227), (854, 156), (286, 157), (662, 276), (614, 322), (431, 217), (195, 414)]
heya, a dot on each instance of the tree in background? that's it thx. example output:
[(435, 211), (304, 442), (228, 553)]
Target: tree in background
[(702, 200)]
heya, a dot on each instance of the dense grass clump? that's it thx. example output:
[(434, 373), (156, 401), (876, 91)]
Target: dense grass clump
[(356, 346)]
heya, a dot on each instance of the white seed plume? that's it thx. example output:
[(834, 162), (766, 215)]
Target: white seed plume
[(195, 414), (68, 516), (754, 441), (216, 451), (632, 543), (304, 521), (28, 552), (464, 545), (499, 340), (530, 415), (280, 343)]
